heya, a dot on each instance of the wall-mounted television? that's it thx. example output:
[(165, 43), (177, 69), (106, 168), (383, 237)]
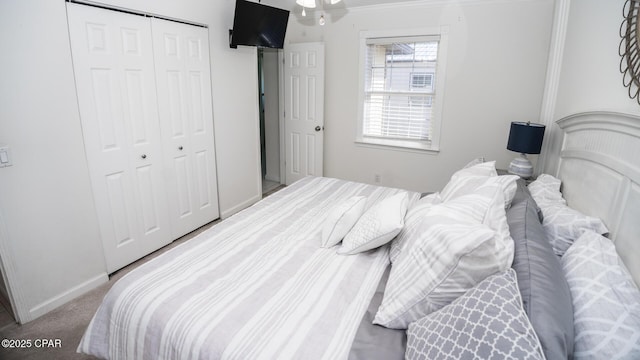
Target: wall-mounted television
[(259, 25)]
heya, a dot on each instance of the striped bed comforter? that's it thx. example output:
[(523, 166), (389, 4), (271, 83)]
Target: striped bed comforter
[(255, 286)]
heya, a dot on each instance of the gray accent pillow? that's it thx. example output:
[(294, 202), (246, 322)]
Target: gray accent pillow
[(545, 292), (487, 322)]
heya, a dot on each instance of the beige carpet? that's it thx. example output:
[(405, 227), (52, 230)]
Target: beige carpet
[(68, 322)]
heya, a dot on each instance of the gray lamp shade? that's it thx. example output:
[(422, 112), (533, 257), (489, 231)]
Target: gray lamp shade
[(525, 138)]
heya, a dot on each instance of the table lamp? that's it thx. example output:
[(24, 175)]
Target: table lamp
[(525, 138)]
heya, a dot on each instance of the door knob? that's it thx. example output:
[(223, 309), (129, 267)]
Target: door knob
[(318, 128), (180, 148), (144, 156)]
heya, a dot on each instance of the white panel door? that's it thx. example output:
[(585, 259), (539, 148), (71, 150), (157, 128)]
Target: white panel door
[(304, 110), (186, 118), (113, 65)]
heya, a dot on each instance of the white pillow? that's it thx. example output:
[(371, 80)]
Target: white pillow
[(468, 184), (546, 189), (474, 162), (606, 301), (341, 219), (480, 169), (411, 223), (563, 225), (496, 219), (450, 253), (377, 226)]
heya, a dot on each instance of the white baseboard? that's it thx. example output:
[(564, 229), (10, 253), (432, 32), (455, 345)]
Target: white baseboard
[(65, 297), (245, 204)]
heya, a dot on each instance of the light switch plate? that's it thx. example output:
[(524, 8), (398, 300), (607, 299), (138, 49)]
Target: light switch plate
[(5, 157)]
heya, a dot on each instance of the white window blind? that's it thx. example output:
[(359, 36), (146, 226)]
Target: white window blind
[(399, 87)]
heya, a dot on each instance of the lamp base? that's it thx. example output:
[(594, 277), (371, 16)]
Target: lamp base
[(521, 166)]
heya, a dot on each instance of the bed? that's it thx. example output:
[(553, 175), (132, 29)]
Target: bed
[(261, 285)]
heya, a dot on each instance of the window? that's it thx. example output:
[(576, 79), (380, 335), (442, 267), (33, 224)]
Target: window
[(401, 90)]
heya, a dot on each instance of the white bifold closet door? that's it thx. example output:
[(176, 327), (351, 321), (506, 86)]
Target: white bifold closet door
[(184, 99), (148, 189)]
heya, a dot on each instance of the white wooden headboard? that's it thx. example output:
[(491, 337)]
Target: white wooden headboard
[(600, 172)]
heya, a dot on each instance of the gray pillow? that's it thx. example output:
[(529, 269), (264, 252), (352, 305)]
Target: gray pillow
[(486, 322), (545, 292), (605, 298)]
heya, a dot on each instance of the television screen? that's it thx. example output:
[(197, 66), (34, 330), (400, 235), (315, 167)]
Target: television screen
[(259, 25)]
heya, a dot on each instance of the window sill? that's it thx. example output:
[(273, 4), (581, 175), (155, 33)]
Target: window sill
[(398, 145)]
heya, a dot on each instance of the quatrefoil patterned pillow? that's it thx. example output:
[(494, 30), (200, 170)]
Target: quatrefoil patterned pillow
[(487, 322)]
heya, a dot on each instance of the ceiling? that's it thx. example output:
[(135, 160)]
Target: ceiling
[(335, 12), (291, 4)]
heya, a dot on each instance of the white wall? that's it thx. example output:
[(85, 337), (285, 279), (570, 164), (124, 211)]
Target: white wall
[(49, 234), (495, 74), (590, 78), (52, 231)]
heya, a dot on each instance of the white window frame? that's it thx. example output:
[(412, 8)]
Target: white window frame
[(436, 117)]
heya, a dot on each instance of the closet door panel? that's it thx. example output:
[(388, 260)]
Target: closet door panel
[(149, 210), (182, 186), (202, 163), (201, 130), (175, 135), (115, 80), (201, 116), (120, 209), (186, 118)]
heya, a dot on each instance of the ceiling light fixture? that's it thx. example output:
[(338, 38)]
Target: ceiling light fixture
[(312, 4), (307, 3)]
